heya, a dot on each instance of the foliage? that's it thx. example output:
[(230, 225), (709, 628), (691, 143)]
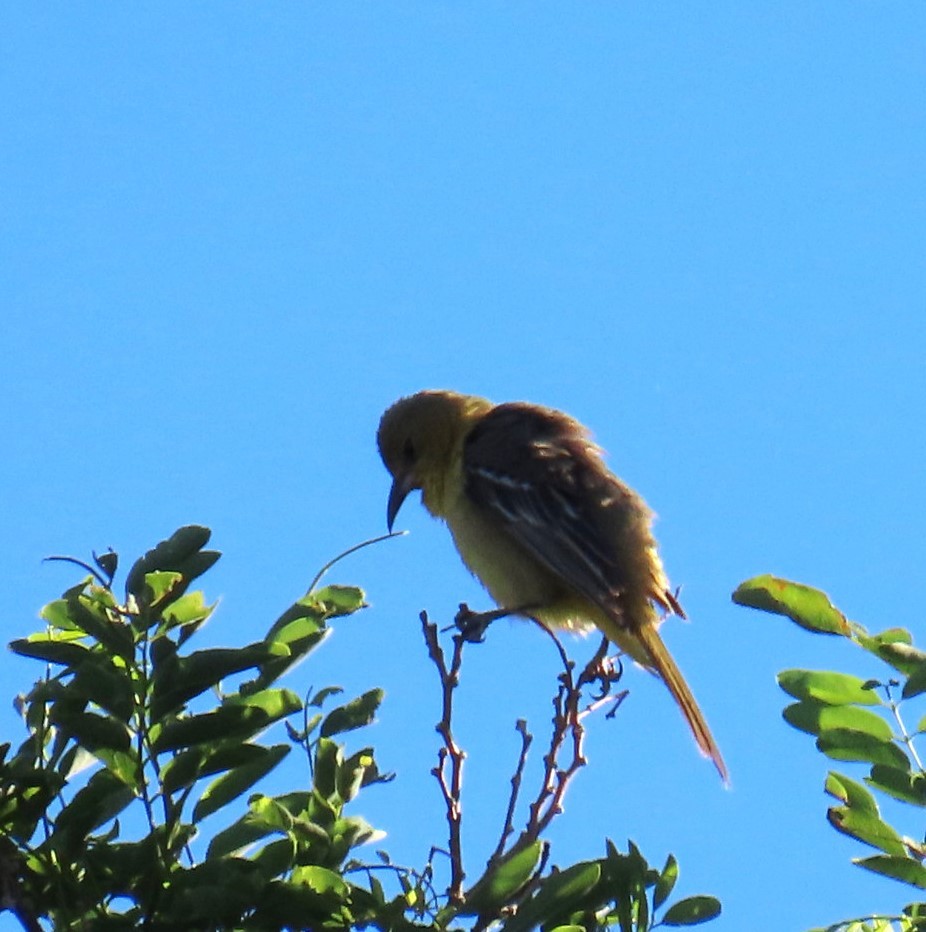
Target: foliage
[(859, 722), (133, 801)]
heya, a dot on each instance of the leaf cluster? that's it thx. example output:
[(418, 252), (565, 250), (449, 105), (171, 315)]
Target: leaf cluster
[(134, 740), (135, 802), (859, 722)]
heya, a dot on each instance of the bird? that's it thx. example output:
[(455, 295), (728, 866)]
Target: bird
[(540, 520)]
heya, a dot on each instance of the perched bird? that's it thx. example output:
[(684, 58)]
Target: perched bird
[(541, 521)]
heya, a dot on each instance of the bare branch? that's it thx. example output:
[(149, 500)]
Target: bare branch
[(451, 752)]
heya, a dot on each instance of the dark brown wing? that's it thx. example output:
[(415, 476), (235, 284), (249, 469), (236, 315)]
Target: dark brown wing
[(537, 470)]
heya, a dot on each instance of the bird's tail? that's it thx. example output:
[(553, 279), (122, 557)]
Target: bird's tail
[(661, 661)]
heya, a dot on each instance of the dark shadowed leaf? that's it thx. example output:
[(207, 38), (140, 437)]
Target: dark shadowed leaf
[(355, 714), (556, 896), (899, 783), (102, 799), (167, 555), (94, 616), (810, 608), (916, 684), (66, 652), (225, 723), (231, 785), (692, 911), (188, 677)]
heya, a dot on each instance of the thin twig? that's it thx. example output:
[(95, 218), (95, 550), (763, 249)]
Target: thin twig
[(451, 751), (508, 828)]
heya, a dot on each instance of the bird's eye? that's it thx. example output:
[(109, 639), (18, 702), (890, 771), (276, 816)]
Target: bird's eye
[(408, 451)]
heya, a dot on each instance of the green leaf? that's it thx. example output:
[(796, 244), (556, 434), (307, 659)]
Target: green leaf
[(298, 631), (335, 601), (321, 880), (899, 783), (905, 869), (108, 686), (169, 554), (666, 882), (91, 616), (58, 614), (810, 608), (503, 881), (102, 799), (852, 793), (816, 717), (190, 676), (916, 684), (160, 584), (556, 896), (841, 744), (236, 837), (92, 731), (827, 687), (867, 827), (355, 714), (232, 784), (225, 723), (901, 656), (40, 647), (692, 911)]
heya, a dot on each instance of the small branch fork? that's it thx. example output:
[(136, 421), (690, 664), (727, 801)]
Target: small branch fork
[(567, 737)]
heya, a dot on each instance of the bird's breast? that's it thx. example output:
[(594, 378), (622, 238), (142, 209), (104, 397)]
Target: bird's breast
[(514, 577)]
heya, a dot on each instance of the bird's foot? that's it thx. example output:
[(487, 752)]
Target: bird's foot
[(473, 625), (604, 670)]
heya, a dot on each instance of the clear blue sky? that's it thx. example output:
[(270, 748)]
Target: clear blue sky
[(233, 233)]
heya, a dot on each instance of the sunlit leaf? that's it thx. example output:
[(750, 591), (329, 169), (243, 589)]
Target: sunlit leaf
[(905, 869), (841, 744), (666, 883), (866, 827), (815, 717), (336, 601), (901, 656), (808, 607), (827, 687), (504, 880), (852, 793)]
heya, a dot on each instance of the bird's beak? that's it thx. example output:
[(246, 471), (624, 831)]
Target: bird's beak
[(401, 486)]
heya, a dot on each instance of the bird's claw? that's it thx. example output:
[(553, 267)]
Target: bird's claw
[(473, 625)]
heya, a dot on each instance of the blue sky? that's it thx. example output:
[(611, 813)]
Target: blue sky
[(231, 235)]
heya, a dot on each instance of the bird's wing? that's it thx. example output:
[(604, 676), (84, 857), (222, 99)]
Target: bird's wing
[(539, 473)]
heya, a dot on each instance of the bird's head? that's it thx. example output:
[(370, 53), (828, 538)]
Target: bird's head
[(419, 437)]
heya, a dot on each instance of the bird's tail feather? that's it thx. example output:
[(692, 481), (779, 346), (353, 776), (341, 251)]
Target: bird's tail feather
[(661, 661)]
